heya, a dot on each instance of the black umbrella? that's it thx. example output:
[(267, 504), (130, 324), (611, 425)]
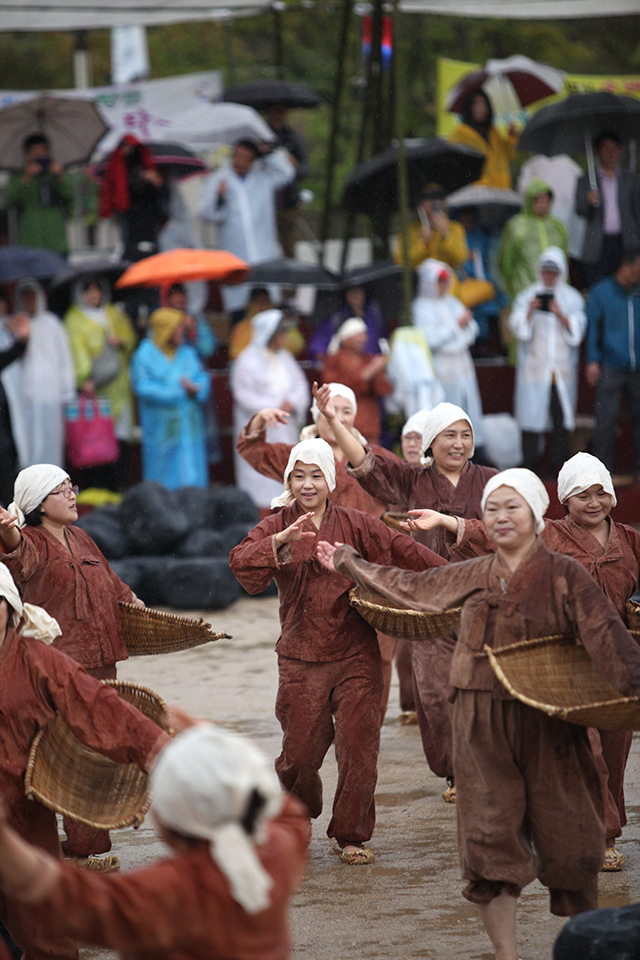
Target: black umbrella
[(372, 188), (371, 273), (19, 262), (291, 273), (62, 286), (563, 126), (175, 161), (260, 93)]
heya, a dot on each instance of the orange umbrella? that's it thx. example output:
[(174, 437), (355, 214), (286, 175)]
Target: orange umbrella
[(180, 266)]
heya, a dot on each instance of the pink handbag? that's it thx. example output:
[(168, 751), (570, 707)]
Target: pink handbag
[(91, 439)]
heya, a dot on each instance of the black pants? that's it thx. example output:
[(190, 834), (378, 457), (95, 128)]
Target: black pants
[(610, 260), (611, 385), (559, 440)]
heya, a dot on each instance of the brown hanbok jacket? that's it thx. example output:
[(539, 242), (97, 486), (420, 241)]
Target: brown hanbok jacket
[(549, 593), (426, 489), (79, 589), (36, 682), (614, 567), (316, 620), (181, 908), (270, 459)]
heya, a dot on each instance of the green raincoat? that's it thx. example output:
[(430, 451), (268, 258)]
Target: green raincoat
[(524, 238), (42, 209)]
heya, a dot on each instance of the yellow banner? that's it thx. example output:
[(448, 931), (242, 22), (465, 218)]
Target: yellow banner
[(506, 108)]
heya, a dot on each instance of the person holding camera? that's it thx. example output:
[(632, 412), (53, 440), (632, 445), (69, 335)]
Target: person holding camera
[(548, 322), (41, 194), (433, 235)]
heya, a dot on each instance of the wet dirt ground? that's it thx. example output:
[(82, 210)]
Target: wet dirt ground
[(408, 903)]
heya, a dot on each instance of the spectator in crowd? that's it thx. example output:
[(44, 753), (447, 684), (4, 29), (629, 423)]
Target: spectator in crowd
[(355, 303), (477, 131), (171, 386), (611, 211), (412, 373), (19, 327), (197, 331), (433, 235), (548, 321), (133, 190), (102, 340), (613, 355), (41, 194), (450, 330), (526, 235), (259, 300), (40, 383), (267, 375), (349, 363), (479, 267), (288, 198), (241, 198)]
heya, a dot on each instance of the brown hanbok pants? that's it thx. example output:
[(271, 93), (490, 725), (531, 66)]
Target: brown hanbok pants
[(529, 803), (398, 652), (611, 752), (431, 665), (317, 704)]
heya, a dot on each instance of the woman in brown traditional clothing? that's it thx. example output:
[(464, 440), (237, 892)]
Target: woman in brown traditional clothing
[(330, 677), (451, 483), (60, 568), (270, 459), (610, 551), (529, 801), (36, 682)]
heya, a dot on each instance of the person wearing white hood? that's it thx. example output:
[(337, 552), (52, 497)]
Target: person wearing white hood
[(267, 375), (529, 801), (40, 383), (450, 330), (549, 322)]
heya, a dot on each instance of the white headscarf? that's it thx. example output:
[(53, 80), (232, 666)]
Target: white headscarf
[(336, 390), (315, 451), (32, 485), (264, 325), (581, 472), (528, 485), (202, 785), (350, 328), (438, 420), (36, 622), (416, 423)]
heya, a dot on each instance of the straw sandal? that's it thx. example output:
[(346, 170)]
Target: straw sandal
[(356, 858), (108, 864), (613, 861), (408, 718), (449, 795)]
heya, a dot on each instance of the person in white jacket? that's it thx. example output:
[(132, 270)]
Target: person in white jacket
[(549, 322), (240, 198), (40, 383), (450, 330)]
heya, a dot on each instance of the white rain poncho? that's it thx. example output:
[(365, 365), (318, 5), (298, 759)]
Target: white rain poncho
[(202, 785), (547, 352), (32, 485), (438, 420), (528, 485), (439, 319), (411, 371), (581, 472), (308, 451), (350, 328), (36, 622), (264, 326)]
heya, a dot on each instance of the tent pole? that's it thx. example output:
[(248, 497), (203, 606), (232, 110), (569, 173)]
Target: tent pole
[(276, 8), (403, 185), (335, 122), (81, 62)]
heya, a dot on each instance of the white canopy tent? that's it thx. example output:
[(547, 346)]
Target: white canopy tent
[(523, 9), (44, 15)]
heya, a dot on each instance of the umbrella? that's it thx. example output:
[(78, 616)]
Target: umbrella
[(19, 262), (372, 188), (260, 93), (570, 125), (530, 81), (73, 127), (181, 266), (61, 287), (209, 125), (175, 161), (369, 274), (494, 205), (293, 273)]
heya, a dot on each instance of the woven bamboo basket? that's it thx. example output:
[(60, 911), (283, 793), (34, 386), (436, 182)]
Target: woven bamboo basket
[(402, 622), (556, 676), (70, 778), (393, 520), (633, 615), (147, 632)]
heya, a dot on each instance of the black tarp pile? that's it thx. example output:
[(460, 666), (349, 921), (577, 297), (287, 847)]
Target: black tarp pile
[(172, 546)]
